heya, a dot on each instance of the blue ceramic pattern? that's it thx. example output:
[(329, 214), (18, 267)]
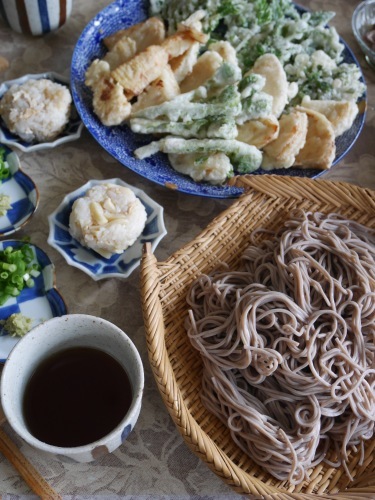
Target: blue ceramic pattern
[(121, 142), (24, 196), (71, 132), (125, 433), (40, 302), (96, 266)]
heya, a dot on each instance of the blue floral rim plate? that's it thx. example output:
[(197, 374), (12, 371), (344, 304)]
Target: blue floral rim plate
[(90, 262), (71, 132), (23, 193), (121, 142), (41, 302)]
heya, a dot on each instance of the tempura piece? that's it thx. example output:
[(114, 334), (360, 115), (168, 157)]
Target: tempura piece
[(341, 114), (144, 34), (276, 84), (123, 50), (204, 69), (160, 90), (193, 25), (282, 152), (179, 43), (110, 103), (214, 168), (183, 65), (135, 75), (97, 71), (260, 132), (319, 149), (226, 50), (243, 157)]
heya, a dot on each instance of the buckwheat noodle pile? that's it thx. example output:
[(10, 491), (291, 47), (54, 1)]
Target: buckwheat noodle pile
[(288, 344)]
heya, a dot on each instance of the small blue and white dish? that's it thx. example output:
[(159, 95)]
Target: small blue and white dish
[(23, 193), (71, 132), (90, 262), (121, 142), (41, 302), (363, 21)]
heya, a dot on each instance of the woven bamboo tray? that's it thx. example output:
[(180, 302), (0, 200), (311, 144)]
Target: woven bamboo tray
[(177, 366)]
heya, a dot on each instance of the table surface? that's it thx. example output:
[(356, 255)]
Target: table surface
[(154, 462)]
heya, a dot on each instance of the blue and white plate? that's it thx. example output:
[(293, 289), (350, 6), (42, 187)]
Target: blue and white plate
[(121, 142), (71, 132), (96, 266), (40, 302), (23, 193)]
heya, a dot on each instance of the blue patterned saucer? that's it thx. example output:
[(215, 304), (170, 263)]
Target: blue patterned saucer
[(72, 131), (96, 266), (41, 302), (23, 193)]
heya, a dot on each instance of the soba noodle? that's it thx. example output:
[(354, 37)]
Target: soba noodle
[(288, 344)]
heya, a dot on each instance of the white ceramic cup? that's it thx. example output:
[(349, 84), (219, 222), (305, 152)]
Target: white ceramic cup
[(57, 334), (33, 17)]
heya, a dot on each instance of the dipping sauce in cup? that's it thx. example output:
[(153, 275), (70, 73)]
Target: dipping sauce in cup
[(73, 387)]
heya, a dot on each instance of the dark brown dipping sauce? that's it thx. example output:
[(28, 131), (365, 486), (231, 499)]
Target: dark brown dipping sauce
[(75, 397)]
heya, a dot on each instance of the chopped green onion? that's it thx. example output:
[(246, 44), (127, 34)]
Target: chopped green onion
[(8, 267), (17, 270), (4, 167)]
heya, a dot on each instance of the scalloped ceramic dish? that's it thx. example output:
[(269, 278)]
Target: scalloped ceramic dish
[(23, 193), (71, 132), (41, 302), (96, 266), (121, 142)]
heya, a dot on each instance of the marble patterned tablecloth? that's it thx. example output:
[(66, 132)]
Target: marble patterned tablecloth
[(154, 462)]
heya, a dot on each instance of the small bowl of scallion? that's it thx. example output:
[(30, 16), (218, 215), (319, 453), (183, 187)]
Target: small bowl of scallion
[(28, 293)]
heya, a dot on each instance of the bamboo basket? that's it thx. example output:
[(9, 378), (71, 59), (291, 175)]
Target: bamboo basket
[(177, 366)]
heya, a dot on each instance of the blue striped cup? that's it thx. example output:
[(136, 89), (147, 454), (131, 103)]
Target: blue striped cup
[(35, 17)]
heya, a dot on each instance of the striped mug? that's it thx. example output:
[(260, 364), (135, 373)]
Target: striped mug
[(35, 17)]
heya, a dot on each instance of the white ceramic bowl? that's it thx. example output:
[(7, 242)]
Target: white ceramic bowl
[(96, 266), (72, 131), (72, 330)]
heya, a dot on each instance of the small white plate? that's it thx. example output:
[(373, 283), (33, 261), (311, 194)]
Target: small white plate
[(23, 193), (72, 131), (96, 266)]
